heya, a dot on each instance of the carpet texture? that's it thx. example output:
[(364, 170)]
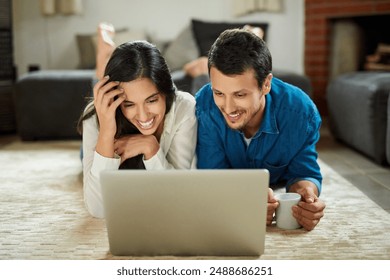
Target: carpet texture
[(42, 215)]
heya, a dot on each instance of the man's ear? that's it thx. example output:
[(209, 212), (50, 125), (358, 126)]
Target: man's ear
[(266, 88)]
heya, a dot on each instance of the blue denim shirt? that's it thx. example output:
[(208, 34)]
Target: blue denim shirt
[(285, 143)]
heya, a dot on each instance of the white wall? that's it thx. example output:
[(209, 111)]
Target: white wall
[(50, 41)]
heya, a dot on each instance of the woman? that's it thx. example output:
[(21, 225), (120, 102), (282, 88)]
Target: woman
[(136, 120)]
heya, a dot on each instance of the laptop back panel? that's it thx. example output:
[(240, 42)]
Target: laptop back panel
[(185, 212)]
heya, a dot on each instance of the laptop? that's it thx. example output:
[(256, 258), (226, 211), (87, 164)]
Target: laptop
[(185, 212)]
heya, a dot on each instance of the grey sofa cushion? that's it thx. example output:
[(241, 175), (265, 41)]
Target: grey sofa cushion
[(357, 104)]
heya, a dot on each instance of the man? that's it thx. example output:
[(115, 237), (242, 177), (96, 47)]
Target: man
[(249, 119)]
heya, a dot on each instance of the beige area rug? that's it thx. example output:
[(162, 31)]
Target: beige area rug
[(42, 215)]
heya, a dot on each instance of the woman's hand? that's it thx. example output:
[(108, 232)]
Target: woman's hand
[(106, 103), (136, 144)]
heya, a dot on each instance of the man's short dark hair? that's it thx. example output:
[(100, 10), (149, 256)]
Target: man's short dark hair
[(236, 51)]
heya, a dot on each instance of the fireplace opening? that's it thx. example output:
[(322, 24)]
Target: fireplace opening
[(360, 43)]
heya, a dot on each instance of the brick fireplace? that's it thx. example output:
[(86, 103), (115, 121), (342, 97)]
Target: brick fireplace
[(318, 17)]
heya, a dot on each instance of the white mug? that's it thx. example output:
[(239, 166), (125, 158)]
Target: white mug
[(284, 217)]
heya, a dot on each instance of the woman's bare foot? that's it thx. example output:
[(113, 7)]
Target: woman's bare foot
[(256, 30), (105, 47)]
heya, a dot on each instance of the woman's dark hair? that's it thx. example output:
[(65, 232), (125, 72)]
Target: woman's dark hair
[(131, 61), (237, 50)]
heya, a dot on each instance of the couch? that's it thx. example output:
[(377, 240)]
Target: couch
[(359, 112), (48, 103)]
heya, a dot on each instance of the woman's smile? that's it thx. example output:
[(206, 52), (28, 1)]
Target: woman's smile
[(147, 124)]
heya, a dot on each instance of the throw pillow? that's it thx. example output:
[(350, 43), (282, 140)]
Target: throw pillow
[(206, 33), (181, 50), (87, 52)]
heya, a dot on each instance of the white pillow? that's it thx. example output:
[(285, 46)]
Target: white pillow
[(181, 50)]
